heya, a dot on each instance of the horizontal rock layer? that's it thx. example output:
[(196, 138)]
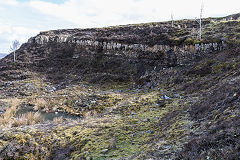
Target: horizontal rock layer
[(169, 54)]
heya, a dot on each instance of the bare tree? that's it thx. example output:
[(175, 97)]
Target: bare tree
[(200, 22), (15, 45), (172, 19)]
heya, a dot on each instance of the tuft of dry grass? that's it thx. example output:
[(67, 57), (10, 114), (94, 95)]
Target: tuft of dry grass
[(33, 118), (15, 102), (58, 119), (8, 115), (40, 103), (2, 122), (18, 122), (89, 114), (29, 118)]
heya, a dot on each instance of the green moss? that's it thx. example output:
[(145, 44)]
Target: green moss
[(131, 127), (220, 67), (191, 41)]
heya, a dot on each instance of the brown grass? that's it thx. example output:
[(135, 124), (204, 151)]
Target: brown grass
[(8, 115), (89, 114), (15, 102), (33, 118), (18, 122), (40, 104), (29, 118), (58, 119)]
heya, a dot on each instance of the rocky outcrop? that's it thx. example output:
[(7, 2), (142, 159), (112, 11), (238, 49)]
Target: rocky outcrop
[(231, 17), (168, 54), (121, 53)]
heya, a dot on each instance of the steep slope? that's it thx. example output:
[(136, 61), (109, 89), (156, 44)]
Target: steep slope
[(123, 52), (147, 91)]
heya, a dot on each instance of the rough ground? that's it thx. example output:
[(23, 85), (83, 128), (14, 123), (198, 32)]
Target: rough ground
[(180, 112)]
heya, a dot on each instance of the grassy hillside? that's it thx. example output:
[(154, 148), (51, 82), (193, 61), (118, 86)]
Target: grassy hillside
[(181, 112)]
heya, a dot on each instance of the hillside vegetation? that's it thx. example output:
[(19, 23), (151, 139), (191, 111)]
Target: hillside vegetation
[(96, 105)]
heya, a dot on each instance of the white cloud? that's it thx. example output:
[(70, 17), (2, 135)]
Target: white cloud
[(98, 13), (9, 2), (95, 13), (5, 29), (10, 33)]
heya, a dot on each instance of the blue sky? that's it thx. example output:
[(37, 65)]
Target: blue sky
[(22, 19)]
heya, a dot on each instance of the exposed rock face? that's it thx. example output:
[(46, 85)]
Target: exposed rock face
[(119, 53), (171, 55)]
